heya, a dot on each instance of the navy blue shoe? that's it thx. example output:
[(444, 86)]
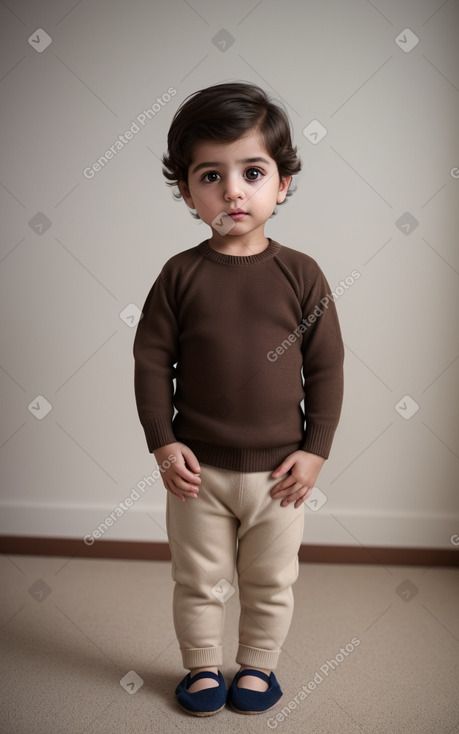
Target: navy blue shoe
[(207, 702), (245, 701)]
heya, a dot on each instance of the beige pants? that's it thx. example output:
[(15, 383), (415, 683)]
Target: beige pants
[(233, 524)]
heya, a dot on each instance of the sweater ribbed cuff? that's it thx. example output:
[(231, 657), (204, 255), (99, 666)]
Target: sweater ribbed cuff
[(318, 440), (158, 431)]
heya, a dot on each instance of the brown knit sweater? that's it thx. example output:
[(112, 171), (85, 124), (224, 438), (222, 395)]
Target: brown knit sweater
[(247, 339)]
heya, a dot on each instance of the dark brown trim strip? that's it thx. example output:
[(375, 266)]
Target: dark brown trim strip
[(381, 556), (70, 547)]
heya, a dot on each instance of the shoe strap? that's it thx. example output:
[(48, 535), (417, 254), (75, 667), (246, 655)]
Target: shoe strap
[(203, 674), (256, 673)]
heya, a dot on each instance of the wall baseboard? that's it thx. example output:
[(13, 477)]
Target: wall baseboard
[(146, 551)]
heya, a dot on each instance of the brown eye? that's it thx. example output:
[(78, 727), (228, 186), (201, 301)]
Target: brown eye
[(211, 176), (253, 174)]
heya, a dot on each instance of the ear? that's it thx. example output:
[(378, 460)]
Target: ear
[(283, 188), (185, 191)]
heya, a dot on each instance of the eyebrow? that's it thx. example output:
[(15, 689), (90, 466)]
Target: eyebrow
[(214, 164)]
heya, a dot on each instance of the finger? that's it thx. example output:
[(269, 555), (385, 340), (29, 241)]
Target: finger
[(169, 485), (299, 494), (171, 489), (191, 460), (301, 501), (186, 475), (303, 498), (284, 467), (283, 486), (181, 493), (185, 487)]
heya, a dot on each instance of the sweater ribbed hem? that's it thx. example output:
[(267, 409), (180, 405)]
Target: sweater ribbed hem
[(236, 459), (319, 440), (158, 432)]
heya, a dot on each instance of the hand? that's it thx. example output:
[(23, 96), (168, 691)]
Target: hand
[(181, 478), (303, 469)]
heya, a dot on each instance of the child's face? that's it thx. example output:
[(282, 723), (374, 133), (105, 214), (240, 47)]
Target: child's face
[(224, 177)]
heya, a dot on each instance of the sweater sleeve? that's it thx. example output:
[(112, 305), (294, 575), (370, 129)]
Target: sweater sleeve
[(155, 354), (323, 356)]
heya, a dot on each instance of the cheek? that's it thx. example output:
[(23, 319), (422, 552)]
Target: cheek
[(199, 197), (268, 195), (205, 206), (205, 203), (205, 193), (269, 188)]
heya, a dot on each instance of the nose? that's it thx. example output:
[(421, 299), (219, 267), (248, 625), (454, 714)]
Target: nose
[(233, 188)]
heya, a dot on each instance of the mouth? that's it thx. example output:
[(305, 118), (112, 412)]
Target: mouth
[(236, 214)]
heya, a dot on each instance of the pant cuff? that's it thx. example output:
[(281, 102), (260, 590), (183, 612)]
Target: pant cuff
[(258, 658), (202, 657)]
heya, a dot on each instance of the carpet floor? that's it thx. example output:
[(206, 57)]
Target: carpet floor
[(88, 647)]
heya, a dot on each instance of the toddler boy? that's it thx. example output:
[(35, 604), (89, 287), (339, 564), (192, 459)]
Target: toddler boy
[(248, 330)]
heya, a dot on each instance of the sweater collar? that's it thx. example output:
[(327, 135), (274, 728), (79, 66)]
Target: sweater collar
[(206, 251)]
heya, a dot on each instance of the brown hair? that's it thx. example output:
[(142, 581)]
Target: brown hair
[(226, 112)]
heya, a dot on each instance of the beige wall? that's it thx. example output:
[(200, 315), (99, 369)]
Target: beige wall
[(391, 115)]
